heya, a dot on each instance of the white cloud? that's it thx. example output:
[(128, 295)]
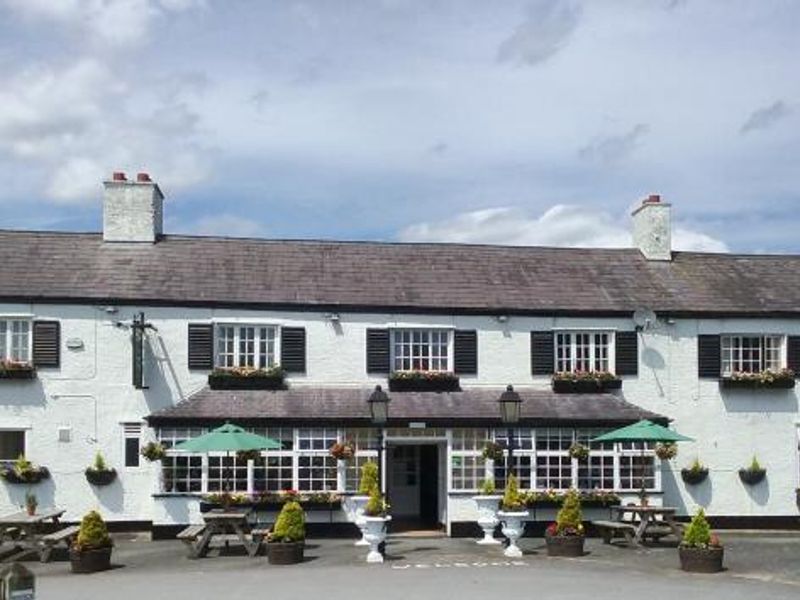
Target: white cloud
[(561, 225), (544, 32)]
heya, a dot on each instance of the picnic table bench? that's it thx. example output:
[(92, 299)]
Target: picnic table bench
[(611, 529), (221, 525), (51, 540), (26, 533), (653, 522)]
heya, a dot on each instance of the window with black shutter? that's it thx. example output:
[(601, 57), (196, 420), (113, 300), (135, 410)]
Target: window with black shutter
[(201, 346), (627, 353), (709, 363), (47, 344), (465, 352), (293, 349), (378, 352), (793, 354), (542, 352)]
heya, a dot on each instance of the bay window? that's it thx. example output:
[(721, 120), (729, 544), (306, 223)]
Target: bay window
[(751, 353), (251, 346), (15, 340), (583, 351), (421, 350)]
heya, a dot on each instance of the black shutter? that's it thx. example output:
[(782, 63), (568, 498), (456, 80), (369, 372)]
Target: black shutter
[(47, 344), (293, 349), (793, 354), (378, 351), (542, 353), (201, 346), (709, 363), (465, 352), (627, 353)]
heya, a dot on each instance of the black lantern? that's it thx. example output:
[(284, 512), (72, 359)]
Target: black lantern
[(510, 404), (379, 406)]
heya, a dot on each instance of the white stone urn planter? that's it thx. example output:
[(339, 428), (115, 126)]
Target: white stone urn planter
[(487, 517), (375, 534), (358, 504), (513, 525)]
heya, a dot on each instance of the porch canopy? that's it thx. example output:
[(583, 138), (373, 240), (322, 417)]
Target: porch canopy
[(322, 406)]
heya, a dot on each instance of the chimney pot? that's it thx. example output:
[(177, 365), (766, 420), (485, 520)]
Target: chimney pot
[(653, 198), (143, 178), (119, 176)]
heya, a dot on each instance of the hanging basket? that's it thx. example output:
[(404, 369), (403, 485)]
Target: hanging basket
[(694, 476), (101, 477), (28, 477), (752, 476)]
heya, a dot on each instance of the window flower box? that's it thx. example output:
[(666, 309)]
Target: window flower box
[(585, 382), (780, 380), (272, 501), (10, 369), (554, 499), (245, 378), (423, 381)]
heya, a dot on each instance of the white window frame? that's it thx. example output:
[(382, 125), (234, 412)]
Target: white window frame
[(728, 349), (25, 441), (7, 344), (429, 330), (237, 329), (128, 432), (573, 333)]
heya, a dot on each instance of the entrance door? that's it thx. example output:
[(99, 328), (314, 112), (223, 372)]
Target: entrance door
[(413, 486)]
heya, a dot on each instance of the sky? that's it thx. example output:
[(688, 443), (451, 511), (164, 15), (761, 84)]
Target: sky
[(539, 122)]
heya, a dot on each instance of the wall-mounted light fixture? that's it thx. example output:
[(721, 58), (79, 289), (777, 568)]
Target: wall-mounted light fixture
[(332, 317), (501, 318)]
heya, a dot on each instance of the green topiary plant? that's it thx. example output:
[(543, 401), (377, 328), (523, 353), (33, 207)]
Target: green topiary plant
[(698, 533), (755, 465), (369, 478), (22, 466), (99, 463), (93, 533), (569, 520), (487, 487), (513, 500), (290, 525), (376, 506)]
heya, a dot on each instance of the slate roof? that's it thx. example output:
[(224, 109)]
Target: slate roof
[(305, 405), (197, 271)]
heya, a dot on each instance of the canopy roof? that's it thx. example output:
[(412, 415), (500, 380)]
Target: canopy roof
[(228, 438), (643, 431)]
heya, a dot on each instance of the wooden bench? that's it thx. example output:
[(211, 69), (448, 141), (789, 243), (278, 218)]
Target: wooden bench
[(51, 540), (189, 536), (258, 536), (611, 529)]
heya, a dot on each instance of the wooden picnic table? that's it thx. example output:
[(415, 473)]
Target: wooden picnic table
[(648, 521), (26, 532), (223, 523)]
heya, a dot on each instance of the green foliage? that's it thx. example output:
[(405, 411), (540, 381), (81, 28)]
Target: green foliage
[(93, 533), (513, 500), (569, 520), (755, 465), (698, 533), (487, 487), (31, 502), (290, 525), (22, 466), (696, 466), (153, 451), (99, 463), (376, 506), (369, 478)]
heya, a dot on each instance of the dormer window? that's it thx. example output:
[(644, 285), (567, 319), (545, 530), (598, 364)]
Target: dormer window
[(246, 346), (583, 351), (15, 340), (751, 353), (422, 350)]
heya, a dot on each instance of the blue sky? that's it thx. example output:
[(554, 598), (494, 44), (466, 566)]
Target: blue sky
[(533, 122)]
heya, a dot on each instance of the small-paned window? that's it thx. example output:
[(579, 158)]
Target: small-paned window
[(421, 350), (751, 353), (251, 346), (583, 351)]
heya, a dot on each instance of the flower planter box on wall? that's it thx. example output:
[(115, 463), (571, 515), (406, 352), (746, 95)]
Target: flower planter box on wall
[(18, 373), (588, 386), (728, 383), (584, 503), (206, 506), (449, 383), (224, 381)]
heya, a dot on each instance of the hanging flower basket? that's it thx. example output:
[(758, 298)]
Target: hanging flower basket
[(31, 476), (752, 476), (153, 451), (666, 451), (247, 378), (343, 450), (579, 452), (423, 381), (694, 476), (101, 477), (493, 451)]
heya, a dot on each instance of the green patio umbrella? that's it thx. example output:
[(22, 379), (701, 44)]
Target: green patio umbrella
[(643, 431), (228, 438)]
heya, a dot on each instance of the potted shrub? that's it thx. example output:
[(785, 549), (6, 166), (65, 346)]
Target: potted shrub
[(99, 472), (247, 378), (287, 540), (695, 474), (579, 452), (700, 550), (666, 451), (565, 537), (153, 451), (367, 484), (345, 450), (423, 381), (24, 471), (512, 515), (376, 518), (488, 502), (31, 503), (754, 474), (584, 382), (91, 550)]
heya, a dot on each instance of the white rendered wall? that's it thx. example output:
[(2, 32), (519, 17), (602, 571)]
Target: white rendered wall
[(92, 394)]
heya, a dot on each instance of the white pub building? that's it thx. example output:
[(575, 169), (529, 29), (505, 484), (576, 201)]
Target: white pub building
[(112, 340)]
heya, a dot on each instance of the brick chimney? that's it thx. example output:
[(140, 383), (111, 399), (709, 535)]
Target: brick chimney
[(652, 228), (133, 211)]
